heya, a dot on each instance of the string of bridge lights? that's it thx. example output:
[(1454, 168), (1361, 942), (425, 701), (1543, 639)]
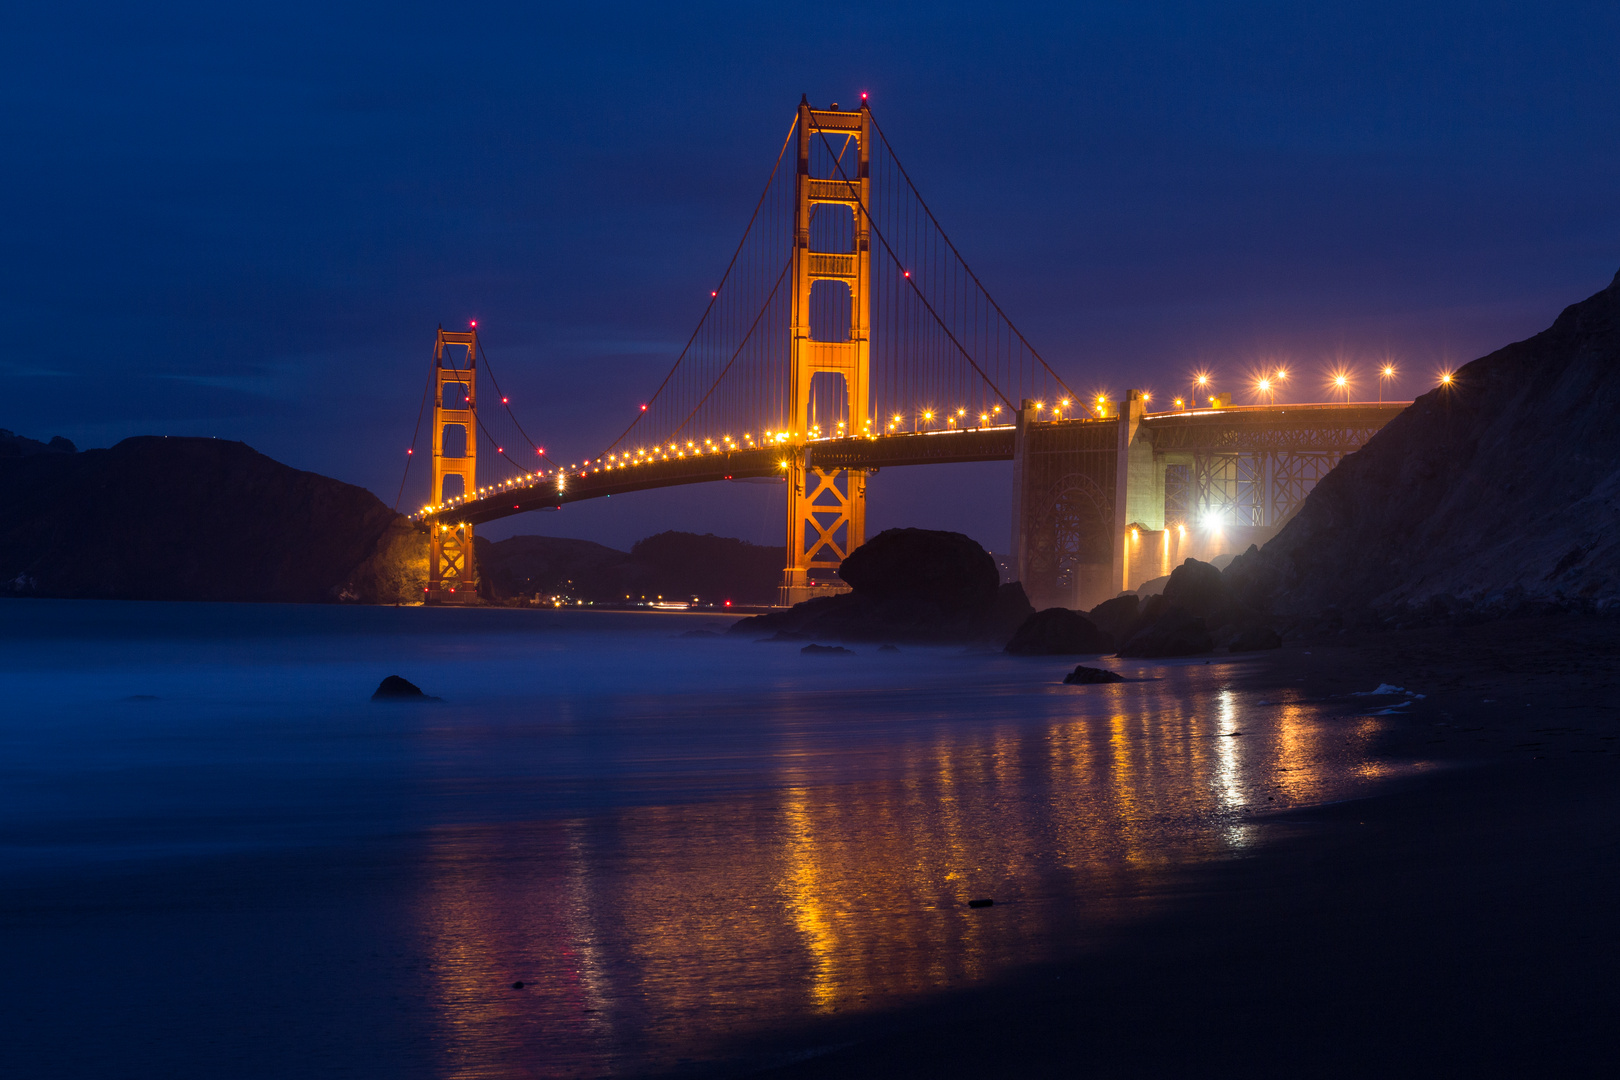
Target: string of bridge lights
[(1262, 385)]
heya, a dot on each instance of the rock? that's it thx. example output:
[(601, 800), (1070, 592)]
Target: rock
[(946, 569), (1197, 588), (981, 903), (906, 585), (1153, 586), (1175, 632), (1008, 612), (888, 648), (395, 688), (517, 985), (1255, 638), (1117, 616), (1059, 632), (1086, 676), (827, 650)]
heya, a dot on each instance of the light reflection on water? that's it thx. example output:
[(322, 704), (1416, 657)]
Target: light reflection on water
[(672, 842), (650, 933)]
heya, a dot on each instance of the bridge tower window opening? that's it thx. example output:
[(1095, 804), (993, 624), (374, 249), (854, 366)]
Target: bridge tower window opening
[(453, 441), (455, 395)]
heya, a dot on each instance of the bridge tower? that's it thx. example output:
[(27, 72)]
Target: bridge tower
[(452, 573), (826, 508)]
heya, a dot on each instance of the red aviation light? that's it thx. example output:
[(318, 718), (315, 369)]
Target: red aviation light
[(644, 408), (473, 323)]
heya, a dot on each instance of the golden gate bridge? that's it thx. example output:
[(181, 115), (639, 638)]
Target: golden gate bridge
[(848, 334)]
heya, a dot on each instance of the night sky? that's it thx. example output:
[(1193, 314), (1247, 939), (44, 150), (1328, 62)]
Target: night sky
[(247, 224)]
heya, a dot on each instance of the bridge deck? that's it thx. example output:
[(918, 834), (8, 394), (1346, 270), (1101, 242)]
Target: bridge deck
[(1231, 430)]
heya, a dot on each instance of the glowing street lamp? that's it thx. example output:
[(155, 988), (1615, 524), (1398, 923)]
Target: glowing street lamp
[(1385, 373)]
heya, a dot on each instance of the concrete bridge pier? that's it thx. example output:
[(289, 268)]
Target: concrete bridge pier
[(1106, 502)]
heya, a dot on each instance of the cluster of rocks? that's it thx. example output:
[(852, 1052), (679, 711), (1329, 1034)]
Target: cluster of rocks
[(926, 586)]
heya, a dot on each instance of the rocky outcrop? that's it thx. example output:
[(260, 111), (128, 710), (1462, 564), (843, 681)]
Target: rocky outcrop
[(1091, 676), (1059, 632), (906, 585), (1196, 612), (1174, 632), (198, 519), (1499, 492), (13, 445), (1117, 616)]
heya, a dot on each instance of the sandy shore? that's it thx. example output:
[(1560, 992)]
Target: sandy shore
[(1461, 924)]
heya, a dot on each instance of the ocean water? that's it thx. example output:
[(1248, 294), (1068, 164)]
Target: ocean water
[(218, 857)]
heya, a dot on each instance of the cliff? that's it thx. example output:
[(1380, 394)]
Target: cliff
[(1497, 493), (197, 519)]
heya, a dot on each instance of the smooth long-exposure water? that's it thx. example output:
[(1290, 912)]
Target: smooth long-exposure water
[(218, 857)]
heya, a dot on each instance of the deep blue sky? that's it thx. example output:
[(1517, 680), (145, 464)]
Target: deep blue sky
[(247, 223)]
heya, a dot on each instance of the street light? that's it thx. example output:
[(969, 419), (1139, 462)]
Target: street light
[(1385, 373)]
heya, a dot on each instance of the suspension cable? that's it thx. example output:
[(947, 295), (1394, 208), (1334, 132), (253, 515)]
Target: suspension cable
[(946, 237), (416, 431), (913, 283), (714, 298)]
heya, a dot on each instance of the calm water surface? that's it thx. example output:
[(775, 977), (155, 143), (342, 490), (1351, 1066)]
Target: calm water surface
[(218, 857)]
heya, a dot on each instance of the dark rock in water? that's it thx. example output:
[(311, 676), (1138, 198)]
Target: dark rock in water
[(1175, 632), (1059, 632), (981, 903), (827, 650), (1008, 612), (517, 985), (1087, 676), (907, 585), (888, 648), (1255, 638), (395, 688), (1495, 490), (1116, 616)]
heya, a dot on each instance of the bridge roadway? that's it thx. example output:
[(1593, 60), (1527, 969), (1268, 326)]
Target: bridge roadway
[(1232, 429)]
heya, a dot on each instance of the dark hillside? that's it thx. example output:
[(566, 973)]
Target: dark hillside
[(1496, 493), (674, 565), (197, 519)]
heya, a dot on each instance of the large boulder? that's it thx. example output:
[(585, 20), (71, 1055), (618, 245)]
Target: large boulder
[(1197, 588), (1008, 612), (1118, 615), (1059, 632), (906, 585), (1174, 632), (947, 570)]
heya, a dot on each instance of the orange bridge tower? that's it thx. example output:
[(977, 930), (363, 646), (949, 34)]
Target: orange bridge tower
[(452, 573), (826, 508)]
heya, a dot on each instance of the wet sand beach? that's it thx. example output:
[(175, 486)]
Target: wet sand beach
[(1462, 924)]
